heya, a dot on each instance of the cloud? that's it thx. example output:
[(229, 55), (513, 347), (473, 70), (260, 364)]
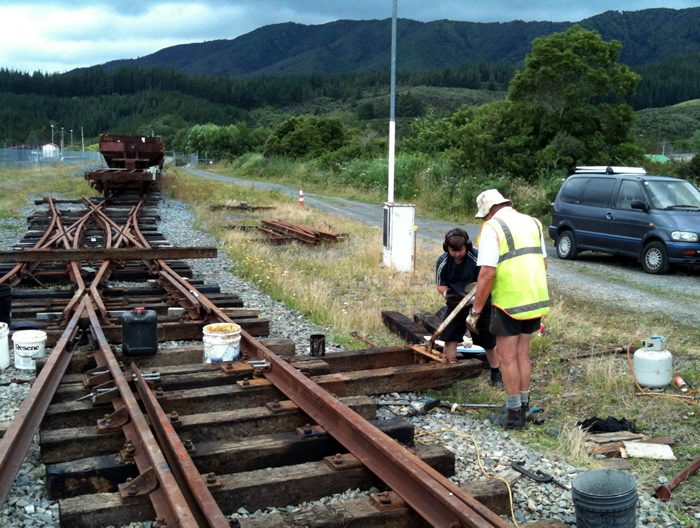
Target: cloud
[(61, 35)]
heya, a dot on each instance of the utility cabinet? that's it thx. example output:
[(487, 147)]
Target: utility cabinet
[(398, 237)]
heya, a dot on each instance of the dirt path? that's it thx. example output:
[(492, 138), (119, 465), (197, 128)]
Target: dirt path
[(614, 281)]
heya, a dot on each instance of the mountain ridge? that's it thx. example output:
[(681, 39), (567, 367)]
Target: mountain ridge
[(351, 46)]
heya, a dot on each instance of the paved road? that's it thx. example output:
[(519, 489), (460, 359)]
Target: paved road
[(614, 281)]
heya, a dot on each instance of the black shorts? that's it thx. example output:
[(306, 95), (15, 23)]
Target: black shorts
[(503, 324), (458, 327)]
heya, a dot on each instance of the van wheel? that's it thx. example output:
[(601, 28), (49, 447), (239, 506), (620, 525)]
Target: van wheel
[(654, 258), (566, 245)]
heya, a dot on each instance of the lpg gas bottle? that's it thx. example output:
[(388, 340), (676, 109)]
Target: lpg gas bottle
[(653, 364)]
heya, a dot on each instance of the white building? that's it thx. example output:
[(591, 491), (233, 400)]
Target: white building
[(50, 150)]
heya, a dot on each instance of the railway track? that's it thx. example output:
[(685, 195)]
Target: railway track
[(169, 438)]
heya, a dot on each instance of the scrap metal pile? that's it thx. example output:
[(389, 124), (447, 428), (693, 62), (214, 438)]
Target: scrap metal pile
[(162, 435)]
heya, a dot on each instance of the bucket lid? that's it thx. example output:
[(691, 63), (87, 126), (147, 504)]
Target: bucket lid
[(29, 335)]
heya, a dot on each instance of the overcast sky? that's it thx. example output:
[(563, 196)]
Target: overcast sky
[(57, 36)]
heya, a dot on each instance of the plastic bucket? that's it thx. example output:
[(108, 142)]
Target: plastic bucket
[(28, 344), (605, 498), (5, 303), (4, 346), (222, 342)]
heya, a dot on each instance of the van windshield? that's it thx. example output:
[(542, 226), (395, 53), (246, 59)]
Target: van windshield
[(673, 195)]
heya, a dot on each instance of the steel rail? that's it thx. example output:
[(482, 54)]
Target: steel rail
[(167, 499), (15, 444), (202, 504), (435, 498)]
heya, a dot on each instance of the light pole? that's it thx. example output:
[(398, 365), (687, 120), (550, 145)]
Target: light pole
[(61, 140), (52, 133), (71, 139), (82, 141)]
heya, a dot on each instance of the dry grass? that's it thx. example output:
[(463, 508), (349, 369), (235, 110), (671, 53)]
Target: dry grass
[(340, 286)]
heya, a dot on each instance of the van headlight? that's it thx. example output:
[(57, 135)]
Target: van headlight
[(685, 236)]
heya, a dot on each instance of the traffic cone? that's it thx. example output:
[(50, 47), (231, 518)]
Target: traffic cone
[(301, 198)]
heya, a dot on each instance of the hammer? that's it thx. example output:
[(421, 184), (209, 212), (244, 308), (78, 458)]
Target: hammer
[(470, 293)]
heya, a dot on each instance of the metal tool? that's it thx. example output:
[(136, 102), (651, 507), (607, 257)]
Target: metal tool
[(470, 293), (538, 476), (664, 492)]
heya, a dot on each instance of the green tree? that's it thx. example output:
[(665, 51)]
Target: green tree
[(306, 137), (573, 83)]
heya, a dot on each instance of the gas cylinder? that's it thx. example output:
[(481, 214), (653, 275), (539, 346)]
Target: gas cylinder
[(653, 364)]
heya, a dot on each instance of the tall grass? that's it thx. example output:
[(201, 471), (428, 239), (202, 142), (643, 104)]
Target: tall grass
[(432, 183)]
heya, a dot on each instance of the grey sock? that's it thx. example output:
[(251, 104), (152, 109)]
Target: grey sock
[(525, 397), (513, 402)]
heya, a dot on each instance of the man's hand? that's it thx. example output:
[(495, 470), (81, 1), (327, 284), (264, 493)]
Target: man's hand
[(472, 320), (453, 299)]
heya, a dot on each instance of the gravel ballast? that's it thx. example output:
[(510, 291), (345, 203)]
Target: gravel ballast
[(27, 505)]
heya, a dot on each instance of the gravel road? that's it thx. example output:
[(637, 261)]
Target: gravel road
[(615, 281)]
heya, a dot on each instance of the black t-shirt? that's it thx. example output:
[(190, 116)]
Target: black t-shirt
[(456, 276)]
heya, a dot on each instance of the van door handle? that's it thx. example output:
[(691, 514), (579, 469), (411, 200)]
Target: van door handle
[(609, 216)]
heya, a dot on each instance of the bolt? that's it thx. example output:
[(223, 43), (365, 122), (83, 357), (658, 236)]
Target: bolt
[(246, 383), (211, 478)]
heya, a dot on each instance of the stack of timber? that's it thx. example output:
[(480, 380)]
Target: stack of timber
[(281, 231)]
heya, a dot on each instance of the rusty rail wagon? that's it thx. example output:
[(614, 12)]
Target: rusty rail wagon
[(135, 165)]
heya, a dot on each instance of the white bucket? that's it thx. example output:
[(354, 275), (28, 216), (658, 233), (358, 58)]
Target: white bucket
[(4, 346), (222, 342), (28, 344)]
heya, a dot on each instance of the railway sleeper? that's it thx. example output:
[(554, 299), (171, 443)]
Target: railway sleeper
[(252, 490), (103, 473)]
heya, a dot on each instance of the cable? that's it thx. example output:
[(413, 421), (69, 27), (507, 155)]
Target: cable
[(478, 459)]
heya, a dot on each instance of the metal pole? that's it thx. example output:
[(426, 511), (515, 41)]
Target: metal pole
[(61, 140), (82, 141), (52, 133), (71, 139), (392, 106)]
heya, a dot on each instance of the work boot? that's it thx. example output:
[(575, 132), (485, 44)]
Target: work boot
[(510, 419), (496, 378)]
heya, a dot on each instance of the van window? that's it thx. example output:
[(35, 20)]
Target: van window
[(598, 191), (675, 194), (573, 189), (629, 192)]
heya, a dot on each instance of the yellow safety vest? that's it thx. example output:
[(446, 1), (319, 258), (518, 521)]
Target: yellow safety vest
[(520, 285)]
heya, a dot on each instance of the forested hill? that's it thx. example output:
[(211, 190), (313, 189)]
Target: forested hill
[(351, 46)]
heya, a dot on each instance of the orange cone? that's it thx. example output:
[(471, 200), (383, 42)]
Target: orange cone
[(301, 198)]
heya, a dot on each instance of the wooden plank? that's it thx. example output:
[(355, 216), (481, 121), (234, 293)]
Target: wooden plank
[(205, 376), (404, 327), (103, 473), (90, 254), (366, 359), (644, 450), (234, 396), (431, 322), (81, 362), (360, 513), (618, 436), (60, 445), (251, 490)]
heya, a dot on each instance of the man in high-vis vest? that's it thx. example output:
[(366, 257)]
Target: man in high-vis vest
[(513, 262)]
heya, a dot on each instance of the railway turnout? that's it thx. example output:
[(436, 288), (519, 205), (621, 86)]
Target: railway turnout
[(166, 437)]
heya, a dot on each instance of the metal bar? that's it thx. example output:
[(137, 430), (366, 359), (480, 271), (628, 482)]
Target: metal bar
[(18, 437), (199, 497), (168, 500), (64, 255), (436, 499)]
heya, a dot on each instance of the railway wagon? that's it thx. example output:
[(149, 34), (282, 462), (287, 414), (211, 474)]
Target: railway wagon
[(135, 165)]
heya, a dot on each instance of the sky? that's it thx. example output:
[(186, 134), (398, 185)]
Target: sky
[(58, 36)]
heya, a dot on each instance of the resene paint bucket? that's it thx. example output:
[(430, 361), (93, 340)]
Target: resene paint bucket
[(28, 345)]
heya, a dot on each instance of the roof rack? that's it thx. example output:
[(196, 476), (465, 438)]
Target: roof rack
[(603, 169)]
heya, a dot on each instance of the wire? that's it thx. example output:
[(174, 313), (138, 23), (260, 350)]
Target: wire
[(425, 432)]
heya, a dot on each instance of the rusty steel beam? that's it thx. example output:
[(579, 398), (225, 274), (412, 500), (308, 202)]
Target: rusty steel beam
[(168, 501), (65, 255), (18, 437), (439, 501), (198, 496)]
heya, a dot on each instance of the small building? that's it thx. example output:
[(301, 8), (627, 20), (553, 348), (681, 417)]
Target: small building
[(657, 158), (50, 150)]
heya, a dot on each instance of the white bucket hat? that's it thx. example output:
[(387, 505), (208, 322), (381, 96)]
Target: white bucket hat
[(487, 199)]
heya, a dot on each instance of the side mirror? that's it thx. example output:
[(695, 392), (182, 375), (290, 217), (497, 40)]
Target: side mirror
[(638, 204)]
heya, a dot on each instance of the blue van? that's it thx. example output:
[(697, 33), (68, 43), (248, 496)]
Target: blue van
[(623, 210)]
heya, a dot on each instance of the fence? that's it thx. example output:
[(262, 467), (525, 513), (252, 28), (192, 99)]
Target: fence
[(31, 157)]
